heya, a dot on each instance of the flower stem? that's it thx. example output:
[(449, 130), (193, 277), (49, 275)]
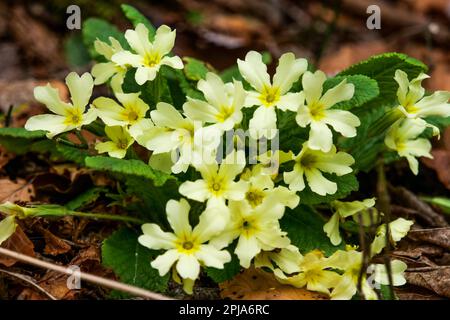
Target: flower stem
[(59, 211)]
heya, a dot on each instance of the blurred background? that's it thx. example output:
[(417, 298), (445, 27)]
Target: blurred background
[(35, 43)]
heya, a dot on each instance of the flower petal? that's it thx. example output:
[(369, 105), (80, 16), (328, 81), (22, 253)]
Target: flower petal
[(246, 250), (163, 263), (212, 257), (154, 238), (342, 121), (254, 71), (342, 92), (318, 183), (188, 266), (53, 124), (51, 98), (313, 85), (320, 137), (164, 40), (288, 71), (196, 190), (138, 39), (178, 216), (80, 89)]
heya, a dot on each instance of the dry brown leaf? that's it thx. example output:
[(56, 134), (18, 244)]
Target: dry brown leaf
[(53, 245), (18, 242), (437, 236), (21, 190), (436, 279), (256, 284), (5, 157)]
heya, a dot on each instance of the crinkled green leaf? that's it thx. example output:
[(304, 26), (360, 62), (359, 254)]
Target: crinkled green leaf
[(94, 28), (85, 198), (195, 69), (137, 17), (21, 133), (305, 229), (130, 261), (127, 167), (366, 89)]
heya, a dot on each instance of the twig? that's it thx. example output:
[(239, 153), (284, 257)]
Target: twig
[(29, 281), (385, 206), (135, 291)]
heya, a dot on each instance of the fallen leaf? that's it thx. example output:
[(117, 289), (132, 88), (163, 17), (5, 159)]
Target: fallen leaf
[(436, 279), (18, 242), (256, 284), (437, 236), (21, 190), (53, 245)]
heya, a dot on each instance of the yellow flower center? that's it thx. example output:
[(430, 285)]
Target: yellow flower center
[(74, 117), (187, 244), (152, 59), (411, 108), (317, 111), (308, 161), (249, 226), (255, 197), (130, 115), (122, 144), (269, 96), (225, 113)]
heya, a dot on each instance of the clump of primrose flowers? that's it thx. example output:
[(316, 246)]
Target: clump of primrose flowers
[(242, 203)]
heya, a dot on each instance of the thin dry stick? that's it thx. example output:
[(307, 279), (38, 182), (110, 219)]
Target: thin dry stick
[(28, 280), (139, 292)]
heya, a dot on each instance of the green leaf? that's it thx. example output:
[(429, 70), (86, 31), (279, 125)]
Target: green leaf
[(195, 69), (366, 89), (94, 28), (136, 17), (21, 133), (230, 269), (71, 153), (305, 229), (345, 185), (85, 198), (76, 52), (130, 261), (441, 202), (127, 167), (382, 69)]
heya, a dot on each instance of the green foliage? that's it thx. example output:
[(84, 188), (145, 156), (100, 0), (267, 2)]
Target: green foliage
[(195, 69), (136, 17), (131, 262), (85, 198), (230, 270), (345, 185), (75, 51), (305, 229), (366, 89), (127, 167), (21, 133), (94, 28)]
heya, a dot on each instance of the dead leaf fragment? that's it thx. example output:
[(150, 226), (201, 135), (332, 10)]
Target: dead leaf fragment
[(21, 190), (256, 284), (18, 242), (437, 236), (436, 279)]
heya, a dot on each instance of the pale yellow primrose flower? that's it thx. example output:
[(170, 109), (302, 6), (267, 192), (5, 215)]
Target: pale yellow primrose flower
[(402, 137), (257, 229), (397, 230), (68, 116), (174, 132), (413, 104), (130, 114), (287, 259), (311, 163), (104, 71), (398, 269), (341, 211), (223, 102), (150, 56), (262, 188), (217, 183), (318, 114), (312, 274), (346, 286), (119, 144), (270, 95), (186, 247), (7, 227)]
